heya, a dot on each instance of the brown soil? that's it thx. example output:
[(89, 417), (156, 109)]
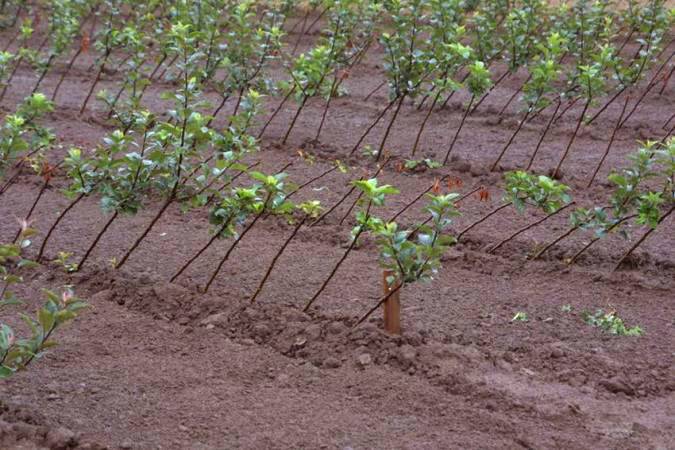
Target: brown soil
[(159, 365)]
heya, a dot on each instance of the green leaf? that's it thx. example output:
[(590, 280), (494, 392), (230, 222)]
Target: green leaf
[(46, 319), (5, 372)]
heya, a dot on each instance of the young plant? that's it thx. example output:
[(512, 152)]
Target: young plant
[(272, 201), (406, 62), (651, 204), (186, 132), (414, 255), (25, 53), (124, 175), (452, 56), (544, 73), (22, 135), (64, 24), (17, 354), (592, 82), (478, 82), (523, 189), (246, 55), (611, 323), (106, 46)]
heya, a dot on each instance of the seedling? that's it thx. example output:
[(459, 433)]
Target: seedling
[(611, 323), (17, 354), (409, 256), (520, 316), (63, 259)]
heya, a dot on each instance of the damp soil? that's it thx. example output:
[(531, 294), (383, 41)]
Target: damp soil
[(154, 364)]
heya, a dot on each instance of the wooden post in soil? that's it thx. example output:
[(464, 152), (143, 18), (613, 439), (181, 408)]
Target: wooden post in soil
[(392, 305)]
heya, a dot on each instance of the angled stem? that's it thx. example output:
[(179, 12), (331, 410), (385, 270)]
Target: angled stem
[(340, 261), (459, 129), (609, 144), (556, 171), (96, 240), (641, 240), (530, 226), (276, 258), (543, 135), (483, 219)]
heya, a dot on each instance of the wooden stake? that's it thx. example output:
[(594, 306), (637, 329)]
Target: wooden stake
[(392, 305)]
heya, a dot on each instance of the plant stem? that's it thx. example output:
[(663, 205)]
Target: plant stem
[(9, 182), (276, 258), (596, 239), (217, 110), (370, 128), (415, 200), (447, 99), (334, 207), (43, 73), (302, 29), (641, 240), (459, 129), (276, 111), (236, 105), (93, 85), (483, 219), (609, 144), (168, 66), (555, 241), (11, 77), (384, 298), (332, 92), (424, 123), (515, 94), (511, 139), (530, 226), (65, 72), (340, 261), (543, 135), (98, 238), (18, 167), (199, 253), (567, 108), (234, 244), (666, 80), (58, 220), (492, 88), (637, 103), (358, 197), (571, 141), (665, 124), (377, 88), (312, 180), (32, 208), (229, 182), (606, 105), (430, 218), (305, 97), (388, 130)]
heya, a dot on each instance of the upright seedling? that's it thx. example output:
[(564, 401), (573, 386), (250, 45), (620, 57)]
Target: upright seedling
[(412, 256)]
